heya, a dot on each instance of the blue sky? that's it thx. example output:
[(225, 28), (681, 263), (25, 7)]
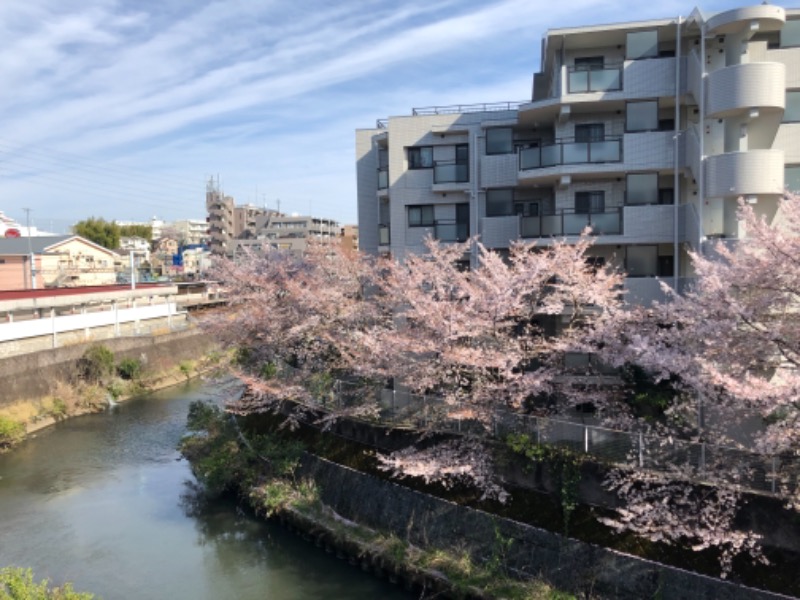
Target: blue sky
[(123, 109)]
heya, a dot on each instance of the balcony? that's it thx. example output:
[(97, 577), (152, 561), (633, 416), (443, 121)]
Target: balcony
[(568, 222), (581, 79), (384, 237), (451, 231), (383, 178), (571, 152), (450, 172)]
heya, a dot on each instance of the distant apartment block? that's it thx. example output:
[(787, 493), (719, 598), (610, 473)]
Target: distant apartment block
[(227, 222), (288, 232), (647, 133)]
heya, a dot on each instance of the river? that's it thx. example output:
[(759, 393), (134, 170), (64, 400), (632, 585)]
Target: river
[(106, 502)]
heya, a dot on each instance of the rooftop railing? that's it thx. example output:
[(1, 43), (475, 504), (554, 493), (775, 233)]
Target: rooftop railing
[(467, 108)]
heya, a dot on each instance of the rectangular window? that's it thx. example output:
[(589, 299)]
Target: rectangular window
[(500, 140), (641, 116), (462, 154), (641, 188), (590, 202), (421, 216), (589, 63), (526, 209), (641, 261), (641, 44), (420, 157), (790, 34), (499, 203), (792, 178), (590, 132), (666, 196), (792, 112)]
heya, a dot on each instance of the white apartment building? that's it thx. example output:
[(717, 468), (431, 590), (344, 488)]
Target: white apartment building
[(647, 132)]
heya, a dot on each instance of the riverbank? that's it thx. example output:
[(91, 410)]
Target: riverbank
[(47, 387)]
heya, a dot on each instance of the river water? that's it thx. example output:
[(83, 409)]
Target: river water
[(106, 502)]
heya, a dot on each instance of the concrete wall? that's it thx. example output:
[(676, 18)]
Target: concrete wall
[(568, 564), (30, 376)]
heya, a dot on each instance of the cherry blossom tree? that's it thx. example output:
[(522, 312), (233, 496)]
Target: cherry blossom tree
[(732, 346)]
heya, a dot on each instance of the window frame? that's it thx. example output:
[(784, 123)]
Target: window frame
[(423, 209), (628, 104), (585, 200), (654, 190), (492, 130), (415, 164), (510, 200), (795, 113), (591, 129)]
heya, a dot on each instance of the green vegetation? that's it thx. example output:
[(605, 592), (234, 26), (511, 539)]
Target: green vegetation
[(96, 364), (129, 368), (565, 466), (108, 233), (11, 432), (18, 584), (263, 469), (186, 367)]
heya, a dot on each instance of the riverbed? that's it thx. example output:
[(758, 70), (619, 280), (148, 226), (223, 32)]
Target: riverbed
[(105, 501)]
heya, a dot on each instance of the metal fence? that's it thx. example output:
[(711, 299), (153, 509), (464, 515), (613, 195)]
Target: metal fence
[(699, 461)]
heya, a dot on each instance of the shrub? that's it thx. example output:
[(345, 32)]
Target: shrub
[(129, 368), (11, 432), (186, 368), (58, 410), (18, 584), (96, 364)]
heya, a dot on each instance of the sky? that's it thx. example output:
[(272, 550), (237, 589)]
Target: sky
[(124, 109)]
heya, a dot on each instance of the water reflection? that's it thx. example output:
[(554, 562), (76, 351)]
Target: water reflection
[(105, 502)]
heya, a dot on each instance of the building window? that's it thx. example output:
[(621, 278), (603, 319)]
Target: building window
[(589, 63), (792, 178), (499, 203), (527, 209), (666, 196), (641, 261), (792, 112), (642, 188), (590, 132), (421, 216), (641, 116), (590, 202), (641, 44), (462, 154), (790, 34), (500, 140), (420, 157)]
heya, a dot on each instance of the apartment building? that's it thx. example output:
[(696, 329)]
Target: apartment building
[(228, 222), (288, 232), (646, 132)]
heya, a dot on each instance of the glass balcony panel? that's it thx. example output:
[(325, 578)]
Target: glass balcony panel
[(530, 227), (605, 80), (446, 232), (551, 155), (607, 223), (576, 152), (578, 81), (383, 235), (607, 151), (383, 179), (551, 225), (450, 173), (574, 224), (530, 158)]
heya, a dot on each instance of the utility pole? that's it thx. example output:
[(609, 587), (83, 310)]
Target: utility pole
[(31, 258)]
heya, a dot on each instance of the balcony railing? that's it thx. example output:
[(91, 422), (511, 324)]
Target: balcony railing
[(450, 172), (384, 237), (607, 78), (570, 152), (383, 178), (451, 231), (568, 222)]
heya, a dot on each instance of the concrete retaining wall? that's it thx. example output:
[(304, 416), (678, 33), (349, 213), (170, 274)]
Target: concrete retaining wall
[(30, 376), (567, 564)]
